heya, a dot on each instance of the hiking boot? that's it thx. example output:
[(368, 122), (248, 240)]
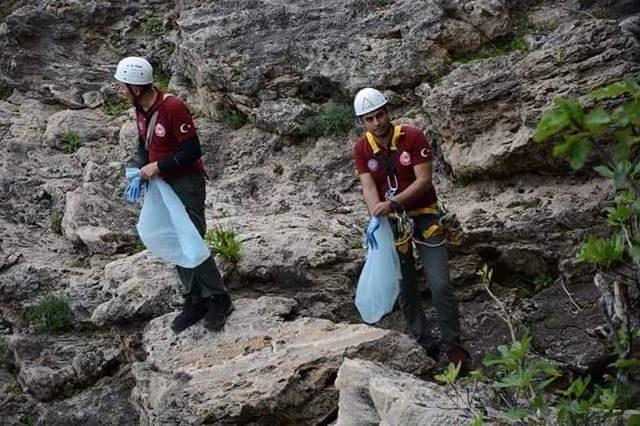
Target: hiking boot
[(460, 355), (432, 347), (219, 308), (193, 311)]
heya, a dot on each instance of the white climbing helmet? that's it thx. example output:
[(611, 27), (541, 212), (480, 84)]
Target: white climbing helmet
[(367, 100), (134, 70)]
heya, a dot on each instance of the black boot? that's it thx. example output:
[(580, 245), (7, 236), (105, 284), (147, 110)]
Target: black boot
[(219, 308), (193, 311), (431, 346)]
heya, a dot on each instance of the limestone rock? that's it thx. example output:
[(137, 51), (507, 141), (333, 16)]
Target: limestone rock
[(260, 367), (330, 52), (89, 126), (99, 219), (137, 287), (105, 404), (48, 366), (283, 116), (486, 110), (371, 394)]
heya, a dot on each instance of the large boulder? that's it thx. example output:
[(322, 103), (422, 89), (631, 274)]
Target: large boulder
[(137, 287), (318, 51), (372, 394), (99, 219), (486, 110), (262, 366), (52, 366)]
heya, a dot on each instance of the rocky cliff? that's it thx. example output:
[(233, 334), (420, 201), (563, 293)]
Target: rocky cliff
[(476, 75)]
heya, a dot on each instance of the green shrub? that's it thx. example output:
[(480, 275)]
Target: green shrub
[(137, 246), (6, 356), (278, 169), (500, 47), (335, 120), (153, 26), (7, 8), (230, 117), (55, 222), (522, 383), (161, 79), (115, 105), (610, 138), (52, 314), (225, 244), (70, 142)]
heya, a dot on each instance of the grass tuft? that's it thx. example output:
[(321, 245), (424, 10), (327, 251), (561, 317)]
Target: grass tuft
[(336, 120), (153, 26), (52, 314), (225, 244), (114, 105), (55, 222), (230, 117), (70, 142)]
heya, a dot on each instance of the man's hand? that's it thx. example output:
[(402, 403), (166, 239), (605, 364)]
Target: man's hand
[(149, 171), (383, 208)]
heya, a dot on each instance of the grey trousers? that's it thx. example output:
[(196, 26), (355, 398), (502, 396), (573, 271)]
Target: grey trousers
[(204, 280), (436, 268)]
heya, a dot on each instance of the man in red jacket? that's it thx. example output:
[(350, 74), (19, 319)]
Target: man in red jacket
[(394, 166), (168, 147)]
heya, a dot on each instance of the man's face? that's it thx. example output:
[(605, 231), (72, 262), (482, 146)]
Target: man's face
[(377, 122), (123, 92)]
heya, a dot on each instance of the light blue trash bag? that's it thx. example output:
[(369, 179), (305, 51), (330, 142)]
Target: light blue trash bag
[(166, 230), (379, 282)]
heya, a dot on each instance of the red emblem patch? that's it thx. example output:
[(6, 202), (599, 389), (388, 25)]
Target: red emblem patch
[(159, 130), (405, 158)]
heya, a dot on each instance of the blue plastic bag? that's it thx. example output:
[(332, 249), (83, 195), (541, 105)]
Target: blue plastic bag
[(166, 229), (379, 282)]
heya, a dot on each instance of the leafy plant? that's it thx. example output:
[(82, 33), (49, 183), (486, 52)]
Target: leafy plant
[(55, 222), (52, 314), (336, 120), (230, 117), (153, 26), (522, 383), (70, 142), (7, 9), (225, 244), (6, 356), (114, 105), (278, 169), (603, 128), (136, 246), (161, 79)]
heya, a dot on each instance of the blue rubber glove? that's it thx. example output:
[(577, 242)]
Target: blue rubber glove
[(133, 190), (136, 187), (370, 237)]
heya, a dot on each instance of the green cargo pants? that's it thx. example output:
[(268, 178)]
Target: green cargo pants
[(204, 280)]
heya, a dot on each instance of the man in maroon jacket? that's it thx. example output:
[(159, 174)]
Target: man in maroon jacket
[(169, 148), (394, 166)]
